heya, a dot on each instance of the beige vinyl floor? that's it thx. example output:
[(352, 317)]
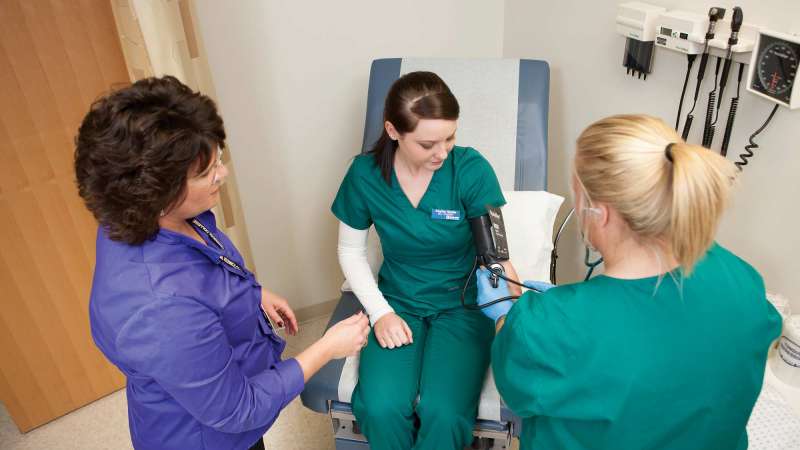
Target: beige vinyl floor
[(103, 425)]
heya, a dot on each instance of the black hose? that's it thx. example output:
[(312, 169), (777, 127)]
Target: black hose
[(748, 149), (700, 73), (690, 59)]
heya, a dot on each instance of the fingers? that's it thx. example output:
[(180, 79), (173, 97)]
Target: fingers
[(381, 341), (386, 339), (354, 318), (360, 342), (274, 317), (366, 329), (292, 327), (287, 311), (394, 335), (392, 332), (278, 317), (407, 330), (401, 335), (290, 320)]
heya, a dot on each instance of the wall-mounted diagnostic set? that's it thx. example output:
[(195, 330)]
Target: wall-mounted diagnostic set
[(728, 44), (636, 21)]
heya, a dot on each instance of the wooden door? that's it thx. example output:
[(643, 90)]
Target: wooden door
[(56, 57)]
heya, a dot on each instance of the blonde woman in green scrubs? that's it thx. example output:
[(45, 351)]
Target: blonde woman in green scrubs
[(666, 349), (418, 189)]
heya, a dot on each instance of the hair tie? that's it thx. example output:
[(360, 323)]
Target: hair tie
[(668, 152)]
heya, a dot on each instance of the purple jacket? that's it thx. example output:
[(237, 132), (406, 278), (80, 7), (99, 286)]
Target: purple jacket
[(202, 363)]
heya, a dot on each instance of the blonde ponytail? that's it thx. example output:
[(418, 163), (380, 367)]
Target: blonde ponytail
[(670, 194), (701, 183)]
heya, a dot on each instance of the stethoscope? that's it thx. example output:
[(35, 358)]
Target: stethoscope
[(590, 264)]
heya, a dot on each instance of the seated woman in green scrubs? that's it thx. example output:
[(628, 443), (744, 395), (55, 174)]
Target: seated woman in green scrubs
[(418, 189), (666, 349)]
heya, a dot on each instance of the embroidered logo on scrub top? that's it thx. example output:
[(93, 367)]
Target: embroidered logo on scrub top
[(445, 214)]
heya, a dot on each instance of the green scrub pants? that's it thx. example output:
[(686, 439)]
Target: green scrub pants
[(445, 366)]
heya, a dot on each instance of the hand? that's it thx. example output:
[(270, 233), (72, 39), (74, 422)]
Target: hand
[(347, 337), (487, 293), (392, 331), (278, 310), (511, 272), (540, 286)]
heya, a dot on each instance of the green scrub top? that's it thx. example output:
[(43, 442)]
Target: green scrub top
[(428, 251), (638, 364)]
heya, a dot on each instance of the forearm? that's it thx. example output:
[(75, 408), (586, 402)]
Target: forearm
[(499, 324), (313, 358), (513, 289), (352, 251)]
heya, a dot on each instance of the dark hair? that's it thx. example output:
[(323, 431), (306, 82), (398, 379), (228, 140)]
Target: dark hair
[(414, 96), (135, 149)]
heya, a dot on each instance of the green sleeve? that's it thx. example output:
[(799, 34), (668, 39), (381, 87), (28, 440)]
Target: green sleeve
[(535, 356), (478, 184), (773, 320), (350, 204)]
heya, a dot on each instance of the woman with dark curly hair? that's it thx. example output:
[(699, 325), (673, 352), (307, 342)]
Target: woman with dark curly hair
[(172, 304)]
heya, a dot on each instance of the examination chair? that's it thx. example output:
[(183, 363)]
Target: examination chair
[(504, 113)]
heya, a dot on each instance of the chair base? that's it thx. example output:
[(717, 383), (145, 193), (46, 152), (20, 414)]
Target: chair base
[(347, 434)]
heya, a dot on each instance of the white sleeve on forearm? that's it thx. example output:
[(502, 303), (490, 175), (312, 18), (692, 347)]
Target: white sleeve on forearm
[(352, 252)]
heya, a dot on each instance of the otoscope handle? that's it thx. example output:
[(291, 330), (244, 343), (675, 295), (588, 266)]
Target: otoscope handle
[(700, 73), (687, 126), (736, 21), (736, 25), (702, 69)]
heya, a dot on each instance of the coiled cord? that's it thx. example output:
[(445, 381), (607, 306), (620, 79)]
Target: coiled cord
[(708, 131), (748, 149), (726, 138), (729, 127)]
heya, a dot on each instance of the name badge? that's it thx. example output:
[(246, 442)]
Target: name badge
[(445, 214)]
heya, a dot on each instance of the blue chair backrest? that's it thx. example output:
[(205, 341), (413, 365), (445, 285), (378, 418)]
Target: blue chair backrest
[(504, 110)]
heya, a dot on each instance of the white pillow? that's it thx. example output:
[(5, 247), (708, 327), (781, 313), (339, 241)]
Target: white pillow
[(529, 217)]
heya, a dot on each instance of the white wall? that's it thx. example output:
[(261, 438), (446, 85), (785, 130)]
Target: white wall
[(577, 37), (291, 77)]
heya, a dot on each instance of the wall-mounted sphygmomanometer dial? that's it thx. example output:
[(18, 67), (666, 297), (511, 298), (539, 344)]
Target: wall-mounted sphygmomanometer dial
[(773, 73)]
